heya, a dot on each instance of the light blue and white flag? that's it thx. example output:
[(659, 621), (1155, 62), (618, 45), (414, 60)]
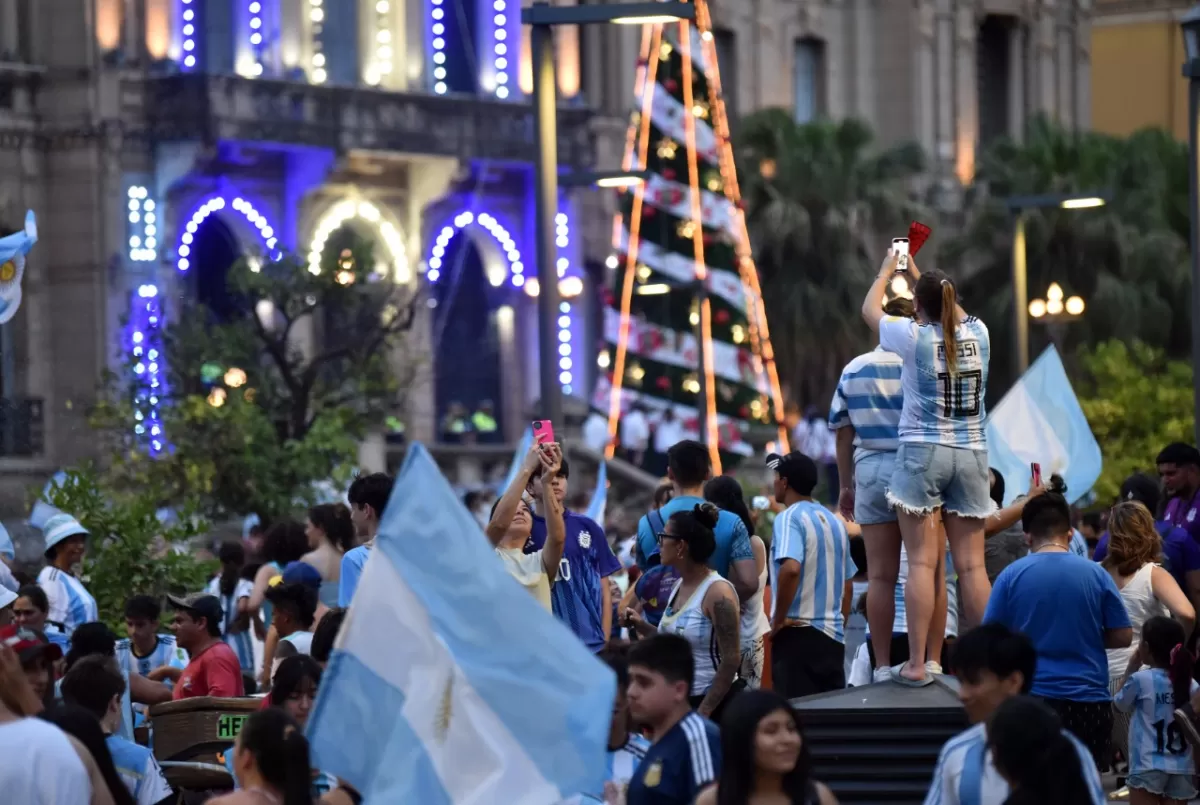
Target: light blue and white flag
[(518, 457), (6, 544), (1040, 420), (13, 249), (449, 684), (43, 510), (595, 511)]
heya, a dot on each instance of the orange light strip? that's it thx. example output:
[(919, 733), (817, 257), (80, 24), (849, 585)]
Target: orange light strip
[(635, 222), (760, 336), (689, 126)]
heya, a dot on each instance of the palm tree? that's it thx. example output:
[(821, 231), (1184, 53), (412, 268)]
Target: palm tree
[(819, 197), (1128, 259)]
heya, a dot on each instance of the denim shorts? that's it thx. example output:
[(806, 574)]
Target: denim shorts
[(1171, 786), (928, 476), (872, 474)]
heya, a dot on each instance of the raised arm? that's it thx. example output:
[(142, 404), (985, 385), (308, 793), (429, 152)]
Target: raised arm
[(721, 606), (1166, 590), (556, 529), (872, 308), (507, 507)]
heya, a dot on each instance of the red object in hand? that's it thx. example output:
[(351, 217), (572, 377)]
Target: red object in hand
[(918, 233)]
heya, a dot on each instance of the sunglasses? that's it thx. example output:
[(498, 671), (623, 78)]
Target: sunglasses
[(661, 535)]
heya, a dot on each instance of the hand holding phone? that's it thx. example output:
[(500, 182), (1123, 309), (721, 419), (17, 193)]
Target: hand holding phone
[(543, 431), (900, 247)]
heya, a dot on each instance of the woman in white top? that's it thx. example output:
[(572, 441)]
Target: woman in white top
[(70, 602), (511, 525), (942, 460), (1147, 590), (725, 492), (702, 607)]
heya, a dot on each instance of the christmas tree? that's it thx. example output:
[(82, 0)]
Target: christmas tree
[(680, 231)]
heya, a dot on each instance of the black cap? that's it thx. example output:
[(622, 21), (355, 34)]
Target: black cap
[(202, 604), (797, 469), (1143, 489)]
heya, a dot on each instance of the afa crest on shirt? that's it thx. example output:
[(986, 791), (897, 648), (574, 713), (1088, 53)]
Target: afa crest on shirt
[(585, 539), (653, 775)]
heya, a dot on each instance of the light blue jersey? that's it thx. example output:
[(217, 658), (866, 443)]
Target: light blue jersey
[(966, 773), (353, 563), (900, 622), (1155, 743), (940, 408), (139, 771), (241, 642), (870, 397), (1078, 545), (70, 602), (810, 534), (165, 653)]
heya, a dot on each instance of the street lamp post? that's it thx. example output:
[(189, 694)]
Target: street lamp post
[(542, 17), (1017, 207), (1191, 70), (1056, 312)]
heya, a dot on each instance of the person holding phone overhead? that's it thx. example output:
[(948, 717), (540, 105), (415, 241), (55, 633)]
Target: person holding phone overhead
[(512, 521), (941, 463)]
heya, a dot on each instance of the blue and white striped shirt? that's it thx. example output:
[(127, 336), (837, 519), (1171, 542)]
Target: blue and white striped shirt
[(900, 622), (241, 642), (966, 773), (70, 602), (810, 534), (938, 408), (1155, 743), (870, 397)]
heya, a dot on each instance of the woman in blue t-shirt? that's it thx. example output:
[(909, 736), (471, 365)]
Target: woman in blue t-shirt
[(941, 465)]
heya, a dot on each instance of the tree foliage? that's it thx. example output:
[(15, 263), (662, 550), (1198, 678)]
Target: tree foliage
[(1128, 260), (1137, 401), (131, 549), (820, 199), (273, 394)]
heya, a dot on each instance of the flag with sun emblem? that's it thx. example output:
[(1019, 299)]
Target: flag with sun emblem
[(13, 249)]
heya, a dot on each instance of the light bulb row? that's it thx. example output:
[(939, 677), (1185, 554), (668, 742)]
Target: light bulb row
[(316, 14), (438, 28), (144, 328), (143, 226), (500, 47)]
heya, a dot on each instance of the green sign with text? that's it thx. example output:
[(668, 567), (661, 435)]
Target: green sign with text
[(229, 725)]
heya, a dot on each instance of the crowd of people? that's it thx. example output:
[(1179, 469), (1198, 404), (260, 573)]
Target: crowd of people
[(1071, 648)]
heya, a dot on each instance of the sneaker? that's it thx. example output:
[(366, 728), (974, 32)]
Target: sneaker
[(932, 667), (882, 675), (1185, 720)]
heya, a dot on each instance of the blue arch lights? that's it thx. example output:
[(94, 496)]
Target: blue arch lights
[(247, 210)]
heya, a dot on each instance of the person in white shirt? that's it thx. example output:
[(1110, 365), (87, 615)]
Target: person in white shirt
[(295, 614), (993, 664), (635, 434), (512, 523), (595, 432), (70, 602)]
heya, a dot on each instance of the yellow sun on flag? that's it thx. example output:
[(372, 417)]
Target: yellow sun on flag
[(8, 271)]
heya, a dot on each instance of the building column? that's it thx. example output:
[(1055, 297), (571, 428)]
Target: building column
[(1081, 64), (966, 76), (862, 21), (1065, 71), (944, 85), (9, 31), (1016, 82), (924, 91), (1042, 61), (830, 25)]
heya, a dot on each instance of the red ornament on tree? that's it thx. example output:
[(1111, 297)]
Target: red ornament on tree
[(663, 383), (648, 211), (744, 412), (721, 316), (668, 174), (671, 85)]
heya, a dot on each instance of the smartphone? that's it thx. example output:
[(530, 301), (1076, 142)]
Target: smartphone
[(1037, 473), (543, 431), (900, 247), (760, 502)]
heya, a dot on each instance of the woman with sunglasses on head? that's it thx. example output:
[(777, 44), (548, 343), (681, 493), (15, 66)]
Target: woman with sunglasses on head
[(941, 464), (702, 607), (764, 756)]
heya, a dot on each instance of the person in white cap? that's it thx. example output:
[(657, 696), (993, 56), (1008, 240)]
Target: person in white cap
[(70, 603)]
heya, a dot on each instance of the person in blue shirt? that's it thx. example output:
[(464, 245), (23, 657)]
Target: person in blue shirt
[(689, 467), (810, 569), (992, 664), (685, 751), (580, 595), (1071, 609), (96, 685), (368, 496), (1181, 553)]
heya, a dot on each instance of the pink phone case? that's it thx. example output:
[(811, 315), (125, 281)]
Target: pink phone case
[(543, 431)]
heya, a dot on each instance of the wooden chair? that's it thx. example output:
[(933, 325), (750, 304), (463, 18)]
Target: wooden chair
[(190, 734)]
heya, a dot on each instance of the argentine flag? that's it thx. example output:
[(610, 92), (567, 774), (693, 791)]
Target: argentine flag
[(449, 684), (595, 511), (13, 249), (43, 510), (1040, 420)]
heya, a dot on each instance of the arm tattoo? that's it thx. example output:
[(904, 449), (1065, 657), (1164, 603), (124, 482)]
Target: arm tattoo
[(725, 619)]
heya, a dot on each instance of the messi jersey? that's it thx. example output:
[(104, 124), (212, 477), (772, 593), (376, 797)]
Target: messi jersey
[(940, 407), (678, 765), (577, 593), (165, 652), (1155, 743)]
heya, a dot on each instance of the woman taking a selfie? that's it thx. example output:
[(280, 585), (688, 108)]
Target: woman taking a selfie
[(941, 464)]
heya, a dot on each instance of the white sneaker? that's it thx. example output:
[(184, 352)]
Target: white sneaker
[(932, 667), (882, 675)]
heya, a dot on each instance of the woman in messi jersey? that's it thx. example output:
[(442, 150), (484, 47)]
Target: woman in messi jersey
[(942, 460)]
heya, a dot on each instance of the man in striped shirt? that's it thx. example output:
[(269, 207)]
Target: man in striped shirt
[(810, 568), (865, 414), (992, 663)]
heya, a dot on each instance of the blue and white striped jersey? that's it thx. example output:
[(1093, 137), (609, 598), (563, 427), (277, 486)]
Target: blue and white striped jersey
[(1155, 743), (810, 534), (1078, 544), (900, 622), (966, 774), (241, 642), (939, 408), (166, 652), (70, 602), (138, 770), (869, 396)]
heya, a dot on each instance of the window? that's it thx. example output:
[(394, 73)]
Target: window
[(808, 75), (994, 69), (726, 43)]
